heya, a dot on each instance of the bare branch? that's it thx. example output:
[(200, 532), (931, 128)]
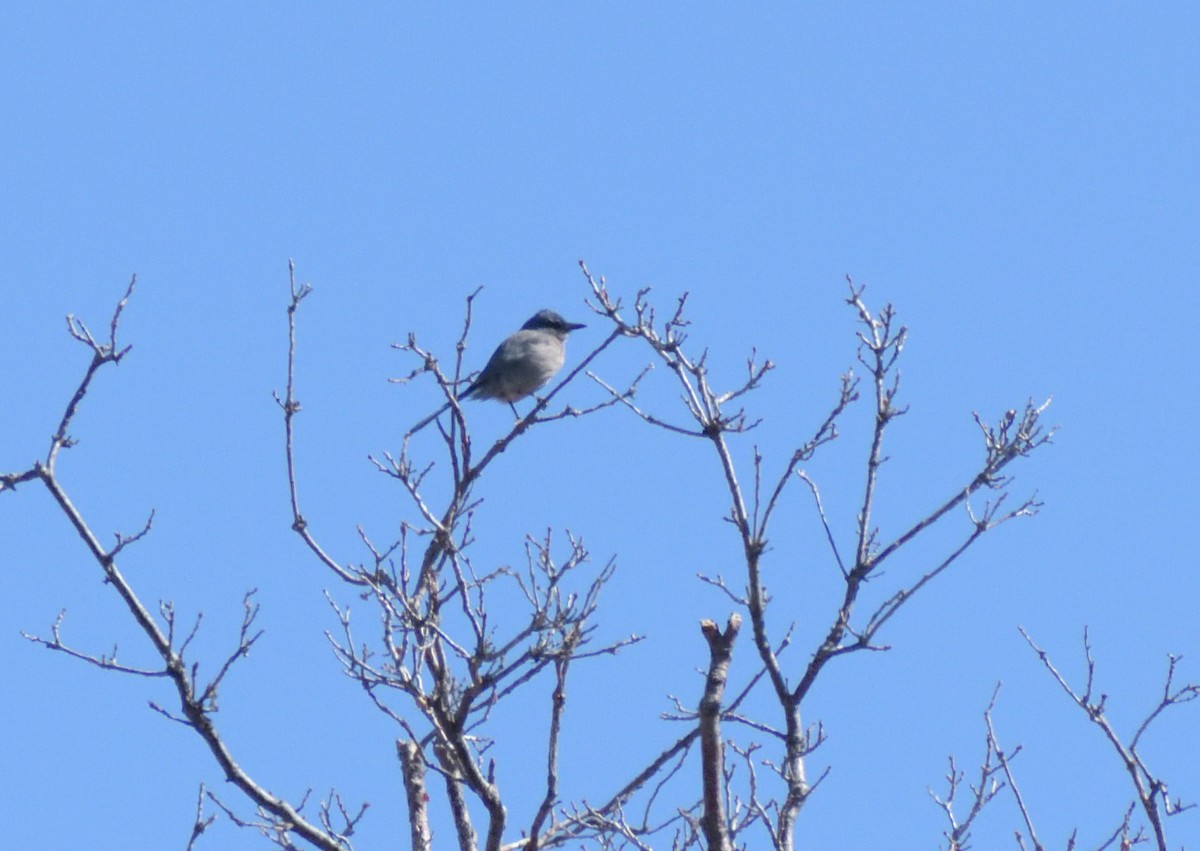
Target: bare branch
[(1005, 762), (1151, 790), (720, 645), (102, 353), (194, 711), (202, 823), (245, 642), (107, 662), (557, 701), (804, 477), (412, 764), (982, 791), (290, 406), (825, 433), (9, 481)]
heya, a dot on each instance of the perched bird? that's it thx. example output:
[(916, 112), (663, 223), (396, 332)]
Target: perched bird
[(521, 365)]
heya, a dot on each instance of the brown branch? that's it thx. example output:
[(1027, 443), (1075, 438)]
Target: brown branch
[(104, 661), (102, 353), (982, 791), (825, 433), (884, 347), (412, 766), (1005, 762), (290, 406), (202, 823), (1003, 445), (712, 757), (1150, 789), (882, 340), (194, 708), (558, 699)]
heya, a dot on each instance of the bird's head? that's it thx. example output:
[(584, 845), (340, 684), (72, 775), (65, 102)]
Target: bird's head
[(548, 320)]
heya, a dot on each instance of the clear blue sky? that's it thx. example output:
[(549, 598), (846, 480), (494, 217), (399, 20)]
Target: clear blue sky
[(1019, 180)]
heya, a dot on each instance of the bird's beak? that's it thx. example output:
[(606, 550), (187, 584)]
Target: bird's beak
[(575, 326)]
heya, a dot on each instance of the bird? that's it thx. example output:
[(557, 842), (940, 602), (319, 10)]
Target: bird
[(521, 365)]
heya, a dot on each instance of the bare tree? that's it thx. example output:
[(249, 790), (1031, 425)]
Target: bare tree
[(440, 657), (708, 417)]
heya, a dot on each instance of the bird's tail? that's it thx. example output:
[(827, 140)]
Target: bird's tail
[(430, 418)]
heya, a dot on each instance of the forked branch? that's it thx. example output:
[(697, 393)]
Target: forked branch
[(1150, 789), (196, 702)]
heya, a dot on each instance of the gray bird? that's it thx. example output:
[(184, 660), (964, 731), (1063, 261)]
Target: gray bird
[(521, 365)]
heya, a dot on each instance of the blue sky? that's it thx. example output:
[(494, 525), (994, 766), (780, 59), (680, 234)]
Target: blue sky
[(1019, 180)]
